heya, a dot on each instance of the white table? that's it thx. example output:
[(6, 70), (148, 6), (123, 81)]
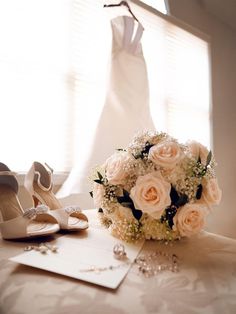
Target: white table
[(206, 283)]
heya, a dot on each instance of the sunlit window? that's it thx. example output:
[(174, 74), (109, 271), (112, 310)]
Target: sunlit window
[(53, 72), (160, 5)]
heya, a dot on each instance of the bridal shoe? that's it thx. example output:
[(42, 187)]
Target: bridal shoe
[(38, 182), (15, 222)]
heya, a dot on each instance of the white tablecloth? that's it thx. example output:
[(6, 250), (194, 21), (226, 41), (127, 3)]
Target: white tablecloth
[(206, 283)]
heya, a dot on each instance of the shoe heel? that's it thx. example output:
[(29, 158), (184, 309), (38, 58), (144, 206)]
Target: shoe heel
[(36, 201), (17, 223), (38, 182)]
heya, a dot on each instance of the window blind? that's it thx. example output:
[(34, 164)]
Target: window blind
[(54, 63), (178, 66)]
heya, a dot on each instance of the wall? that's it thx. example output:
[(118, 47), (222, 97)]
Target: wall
[(223, 64)]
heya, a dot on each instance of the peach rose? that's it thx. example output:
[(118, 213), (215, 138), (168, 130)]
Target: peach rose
[(189, 219), (198, 150), (211, 193), (151, 194), (165, 154), (98, 193), (115, 168)]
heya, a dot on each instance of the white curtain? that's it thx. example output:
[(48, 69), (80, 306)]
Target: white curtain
[(178, 70), (54, 61)]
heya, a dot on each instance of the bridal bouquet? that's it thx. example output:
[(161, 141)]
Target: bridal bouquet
[(156, 188)]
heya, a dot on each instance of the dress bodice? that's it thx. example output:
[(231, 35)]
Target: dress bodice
[(126, 34)]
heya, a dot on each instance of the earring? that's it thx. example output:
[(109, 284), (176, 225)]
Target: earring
[(42, 248)]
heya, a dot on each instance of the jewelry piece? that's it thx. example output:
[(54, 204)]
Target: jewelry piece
[(98, 270), (153, 263), (148, 264), (119, 251), (51, 247), (42, 248)]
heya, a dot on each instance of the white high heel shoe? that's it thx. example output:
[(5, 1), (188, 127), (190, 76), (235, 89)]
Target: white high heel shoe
[(17, 223), (38, 182)]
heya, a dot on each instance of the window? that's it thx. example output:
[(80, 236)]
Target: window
[(53, 71), (160, 5)]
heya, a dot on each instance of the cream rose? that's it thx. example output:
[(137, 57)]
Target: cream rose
[(165, 154), (198, 150), (211, 193), (151, 194), (115, 168), (189, 219), (98, 193)]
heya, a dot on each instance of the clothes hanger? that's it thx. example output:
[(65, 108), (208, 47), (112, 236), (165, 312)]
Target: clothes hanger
[(124, 3)]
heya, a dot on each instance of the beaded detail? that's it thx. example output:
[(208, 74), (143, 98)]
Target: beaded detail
[(72, 209), (32, 212)]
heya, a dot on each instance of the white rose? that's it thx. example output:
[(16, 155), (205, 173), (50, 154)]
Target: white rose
[(115, 168), (211, 193), (189, 219), (98, 194), (198, 150), (166, 154), (151, 194)]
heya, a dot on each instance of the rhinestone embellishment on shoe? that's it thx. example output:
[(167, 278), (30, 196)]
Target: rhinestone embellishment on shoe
[(32, 212), (72, 209)]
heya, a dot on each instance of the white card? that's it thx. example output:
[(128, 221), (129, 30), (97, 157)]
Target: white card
[(78, 252)]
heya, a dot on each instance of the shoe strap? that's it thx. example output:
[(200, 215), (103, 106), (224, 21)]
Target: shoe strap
[(7, 173), (8, 177), (62, 215), (17, 227), (49, 172), (48, 167), (36, 175)]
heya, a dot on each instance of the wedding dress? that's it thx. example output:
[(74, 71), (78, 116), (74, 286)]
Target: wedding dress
[(126, 109)]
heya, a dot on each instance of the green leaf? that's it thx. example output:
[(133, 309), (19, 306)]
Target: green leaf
[(99, 175), (121, 199), (174, 195), (98, 181), (127, 204), (209, 156), (176, 199), (127, 201), (137, 213), (124, 198), (168, 216), (183, 199), (126, 194), (199, 192), (144, 151)]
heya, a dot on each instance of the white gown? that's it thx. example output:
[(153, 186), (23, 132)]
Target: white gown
[(126, 110)]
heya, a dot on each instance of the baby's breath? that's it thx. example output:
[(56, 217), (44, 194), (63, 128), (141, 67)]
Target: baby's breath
[(127, 231)]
